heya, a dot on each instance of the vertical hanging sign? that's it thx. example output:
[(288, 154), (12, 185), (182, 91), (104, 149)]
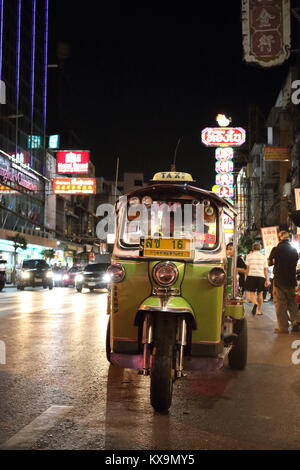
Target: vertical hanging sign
[(266, 31)]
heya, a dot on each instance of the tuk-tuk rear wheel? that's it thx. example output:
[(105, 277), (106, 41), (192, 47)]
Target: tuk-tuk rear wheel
[(162, 371), (237, 357)]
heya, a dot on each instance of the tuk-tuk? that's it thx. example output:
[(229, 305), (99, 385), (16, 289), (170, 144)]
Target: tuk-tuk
[(173, 298)]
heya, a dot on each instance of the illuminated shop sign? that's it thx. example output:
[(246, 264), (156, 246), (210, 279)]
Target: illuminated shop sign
[(72, 161), (53, 142), (15, 176), (224, 153), (277, 154), (223, 136), (34, 142), (224, 179), (74, 185), (224, 167), (225, 192), (22, 159), (6, 190)]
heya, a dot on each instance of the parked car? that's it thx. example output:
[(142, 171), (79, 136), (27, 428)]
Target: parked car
[(69, 276), (34, 273), (93, 276)]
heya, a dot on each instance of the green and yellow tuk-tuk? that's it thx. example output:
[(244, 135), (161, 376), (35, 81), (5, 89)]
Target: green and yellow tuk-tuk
[(173, 298)]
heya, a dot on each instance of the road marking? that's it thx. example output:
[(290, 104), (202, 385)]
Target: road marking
[(27, 436)]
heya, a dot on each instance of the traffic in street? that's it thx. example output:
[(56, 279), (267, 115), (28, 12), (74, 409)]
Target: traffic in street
[(59, 392)]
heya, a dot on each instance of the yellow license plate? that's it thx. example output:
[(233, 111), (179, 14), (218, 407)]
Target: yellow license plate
[(167, 248)]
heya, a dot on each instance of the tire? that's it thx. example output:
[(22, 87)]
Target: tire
[(20, 287), (79, 289), (92, 289), (50, 286), (107, 343), (237, 357), (45, 287), (162, 371)]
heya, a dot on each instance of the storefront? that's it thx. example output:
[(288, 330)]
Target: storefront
[(7, 253)]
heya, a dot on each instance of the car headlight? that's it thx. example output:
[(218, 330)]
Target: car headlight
[(116, 272), (165, 273), (79, 278), (106, 277), (217, 277), (66, 277), (49, 274), (25, 275)]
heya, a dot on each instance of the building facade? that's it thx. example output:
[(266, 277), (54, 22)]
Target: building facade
[(23, 109)]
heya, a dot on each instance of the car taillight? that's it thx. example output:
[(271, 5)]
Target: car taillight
[(216, 277), (165, 273), (116, 272)]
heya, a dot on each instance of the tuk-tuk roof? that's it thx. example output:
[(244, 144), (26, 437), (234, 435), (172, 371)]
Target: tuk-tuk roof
[(186, 188)]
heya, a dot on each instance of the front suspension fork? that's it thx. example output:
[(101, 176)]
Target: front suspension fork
[(147, 339), (181, 342)]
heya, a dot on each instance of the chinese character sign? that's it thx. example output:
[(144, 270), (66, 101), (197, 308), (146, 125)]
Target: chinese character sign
[(266, 31), (270, 238)]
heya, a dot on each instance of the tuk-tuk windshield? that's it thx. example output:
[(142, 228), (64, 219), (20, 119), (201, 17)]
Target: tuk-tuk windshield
[(171, 218)]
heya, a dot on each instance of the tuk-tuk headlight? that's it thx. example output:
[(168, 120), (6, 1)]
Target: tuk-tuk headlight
[(217, 277), (116, 272), (25, 275), (165, 273)]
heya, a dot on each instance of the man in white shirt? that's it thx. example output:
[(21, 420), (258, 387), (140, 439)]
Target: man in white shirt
[(257, 277)]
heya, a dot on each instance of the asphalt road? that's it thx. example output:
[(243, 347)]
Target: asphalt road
[(58, 392)]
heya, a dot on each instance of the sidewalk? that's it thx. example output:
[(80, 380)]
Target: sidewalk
[(267, 309)]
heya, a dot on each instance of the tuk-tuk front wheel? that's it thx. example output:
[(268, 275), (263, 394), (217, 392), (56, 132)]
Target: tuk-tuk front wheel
[(237, 357), (163, 361)]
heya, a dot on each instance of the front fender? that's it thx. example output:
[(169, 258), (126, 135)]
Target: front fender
[(176, 305)]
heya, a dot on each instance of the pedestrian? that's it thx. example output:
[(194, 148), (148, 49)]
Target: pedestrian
[(284, 257), (257, 277), (241, 266), (247, 293)]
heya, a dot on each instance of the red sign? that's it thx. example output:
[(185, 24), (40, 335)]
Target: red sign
[(74, 185), (72, 161), (266, 31), (223, 136)]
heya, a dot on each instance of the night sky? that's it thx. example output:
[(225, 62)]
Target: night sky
[(140, 80)]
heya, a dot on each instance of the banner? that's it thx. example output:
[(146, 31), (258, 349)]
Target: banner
[(277, 154), (297, 199), (266, 31), (270, 238), (74, 186)]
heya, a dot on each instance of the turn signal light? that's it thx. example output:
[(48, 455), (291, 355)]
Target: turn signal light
[(217, 277), (165, 273), (116, 272)]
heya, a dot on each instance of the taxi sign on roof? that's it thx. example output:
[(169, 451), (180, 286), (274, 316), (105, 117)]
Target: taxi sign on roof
[(173, 176)]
